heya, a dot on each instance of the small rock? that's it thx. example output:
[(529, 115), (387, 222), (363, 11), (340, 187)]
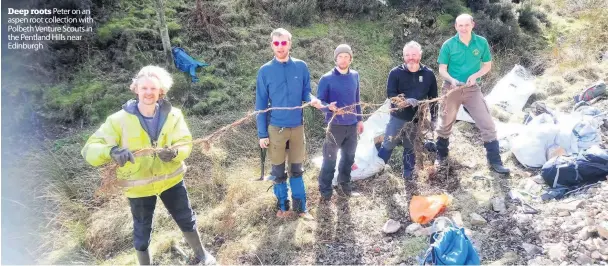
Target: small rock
[(522, 218), (579, 215), (570, 228), (470, 164), (589, 245), (538, 179), (412, 228), (532, 187), (598, 243), (468, 233), (478, 176), (572, 206), (457, 218), (581, 224), (602, 229), (539, 260), (424, 232), (584, 259), (532, 249), (509, 258), (476, 219), (498, 205), (514, 195), (518, 232), (391, 226), (558, 252), (498, 224), (596, 255), (563, 213), (584, 234)]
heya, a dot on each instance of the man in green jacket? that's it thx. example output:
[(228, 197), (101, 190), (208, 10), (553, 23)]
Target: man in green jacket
[(145, 123)]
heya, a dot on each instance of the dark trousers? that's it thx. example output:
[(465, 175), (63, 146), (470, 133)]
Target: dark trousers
[(177, 203), (342, 138)]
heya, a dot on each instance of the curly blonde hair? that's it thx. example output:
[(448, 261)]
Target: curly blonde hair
[(164, 78)]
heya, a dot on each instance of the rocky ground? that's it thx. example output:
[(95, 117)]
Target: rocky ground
[(571, 231), (503, 230), (376, 227)]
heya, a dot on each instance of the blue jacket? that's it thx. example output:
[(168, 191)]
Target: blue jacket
[(342, 89), (281, 85)]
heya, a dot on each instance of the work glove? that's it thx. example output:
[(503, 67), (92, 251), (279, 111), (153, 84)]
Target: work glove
[(121, 156), (167, 154), (411, 102)]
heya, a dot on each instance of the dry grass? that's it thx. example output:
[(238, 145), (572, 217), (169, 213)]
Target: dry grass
[(577, 33), (500, 114), (109, 229), (553, 85), (67, 192), (561, 88)]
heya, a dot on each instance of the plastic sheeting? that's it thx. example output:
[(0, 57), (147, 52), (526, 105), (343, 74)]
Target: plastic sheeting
[(367, 163), (573, 132), (510, 93)]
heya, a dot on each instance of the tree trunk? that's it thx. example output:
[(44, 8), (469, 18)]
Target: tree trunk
[(164, 32)]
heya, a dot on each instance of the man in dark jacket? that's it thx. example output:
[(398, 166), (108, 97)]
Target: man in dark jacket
[(416, 82)]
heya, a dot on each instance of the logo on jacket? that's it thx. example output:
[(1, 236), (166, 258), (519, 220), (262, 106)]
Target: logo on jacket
[(419, 78), (475, 52)]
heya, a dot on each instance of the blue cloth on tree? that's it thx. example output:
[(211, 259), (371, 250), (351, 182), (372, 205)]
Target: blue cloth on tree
[(186, 63)]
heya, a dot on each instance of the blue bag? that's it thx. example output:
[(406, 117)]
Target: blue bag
[(186, 63), (588, 167), (450, 246)]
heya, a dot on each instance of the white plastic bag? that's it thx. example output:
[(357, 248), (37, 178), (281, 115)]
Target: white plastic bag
[(513, 90), (573, 132), (510, 93), (367, 163), (530, 146)]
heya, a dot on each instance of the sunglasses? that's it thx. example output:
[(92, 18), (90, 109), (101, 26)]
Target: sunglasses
[(276, 43)]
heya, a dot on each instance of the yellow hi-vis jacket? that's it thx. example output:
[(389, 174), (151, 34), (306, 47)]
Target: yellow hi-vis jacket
[(149, 175)]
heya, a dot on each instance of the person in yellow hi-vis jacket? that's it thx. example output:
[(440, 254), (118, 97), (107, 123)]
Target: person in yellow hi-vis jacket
[(150, 122)]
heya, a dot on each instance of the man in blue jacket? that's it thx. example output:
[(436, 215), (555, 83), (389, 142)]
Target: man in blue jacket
[(340, 88), (416, 82), (284, 82)]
